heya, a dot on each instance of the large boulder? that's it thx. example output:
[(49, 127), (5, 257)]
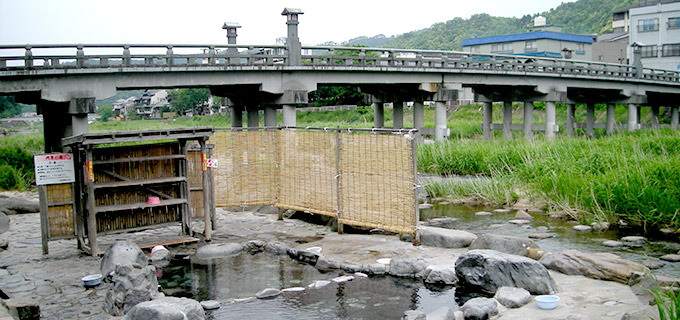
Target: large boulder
[(122, 252), (168, 308), (445, 238), (441, 275), (132, 285), (503, 243), (479, 308), (603, 266), (276, 248), (12, 206), (221, 250), (487, 270), (406, 267)]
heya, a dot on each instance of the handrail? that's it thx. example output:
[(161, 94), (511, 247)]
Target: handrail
[(90, 56)]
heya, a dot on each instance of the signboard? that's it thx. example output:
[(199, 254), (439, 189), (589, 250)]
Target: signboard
[(55, 168)]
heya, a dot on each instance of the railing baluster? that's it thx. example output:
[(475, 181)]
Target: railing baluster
[(126, 56), (28, 58), (80, 57), (169, 59)]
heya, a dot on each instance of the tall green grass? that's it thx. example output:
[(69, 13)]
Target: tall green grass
[(630, 177)]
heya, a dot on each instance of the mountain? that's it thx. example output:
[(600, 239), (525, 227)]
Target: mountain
[(579, 17)]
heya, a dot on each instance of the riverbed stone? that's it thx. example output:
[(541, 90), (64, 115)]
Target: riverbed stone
[(479, 308), (406, 267), (342, 279), (541, 235), (318, 284), (440, 275), (487, 270), (276, 248), (445, 238), (612, 244), (503, 243), (600, 226), (512, 297), (374, 268), (329, 263), (413, 315), (254, 246), (652, 264), (11, 206), (536, 253), (168, 308), (519, 221), (483, 214), (218, 250), (122, 252), (501, 211), (633, 240), (443, 313), (210, 304), (268, 293), (581, 228), (671, 257), (604, 266), (4, 222), (521, 214)]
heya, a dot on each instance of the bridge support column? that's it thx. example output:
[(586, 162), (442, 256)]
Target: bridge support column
[(632, 117), (236, 117), (550, 120), (55, 124), (441, 132), (270, 116), (253, 117), (611, 118), (507, 120), (675, 117), (570, 119), (378, 114), (289, 115), (488, 119), (419, 117), (528, 119), (655, 117), (590, 120), (398, 115)]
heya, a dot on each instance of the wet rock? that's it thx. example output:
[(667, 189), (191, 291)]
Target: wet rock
[(604, 266), (541, 235), (487, 270), (503, 243), (413, 315), (4, 242), (600, 226), (445, 238), (671, 257), (293, 289), (168, 308), (406, 267), (342, 279), (329, 263), (440, 275), (519, 221), (122, 252), (11, 206), (443, 313), (512, 297), (612, 244), (633, 240), (374, 268), (304, 255), (318, 284), (268, 293), (441, 222), (131, 285), (210, 304), (277, 248), (501, 211), (582, 228), (479, 309), (352, 268), (667, 231), (221, 250), (254, 246), (521, 214), (360, 275), (424, 206), (483, 214)]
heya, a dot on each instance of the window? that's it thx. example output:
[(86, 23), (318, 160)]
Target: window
[(619, 16), (501, 48), (600, 58), (580, 48), (648, 51), (475, 49), (674, 23), (648, 25), (530, 46), (671, 50)]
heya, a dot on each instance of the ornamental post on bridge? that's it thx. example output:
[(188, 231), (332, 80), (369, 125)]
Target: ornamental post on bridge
[(293, 44), (232, 53)]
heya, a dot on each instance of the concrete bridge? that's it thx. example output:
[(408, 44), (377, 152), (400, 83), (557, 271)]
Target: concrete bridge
[(64, 81)]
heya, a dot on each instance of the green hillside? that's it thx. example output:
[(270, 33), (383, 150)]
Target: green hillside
[(580, 17)]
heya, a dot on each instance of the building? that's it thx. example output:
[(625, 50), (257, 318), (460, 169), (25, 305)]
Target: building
[(654, 29), (538, 44)]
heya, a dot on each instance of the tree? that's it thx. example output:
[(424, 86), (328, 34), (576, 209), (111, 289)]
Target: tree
[(182, 100), (8, 107), (105, 112)]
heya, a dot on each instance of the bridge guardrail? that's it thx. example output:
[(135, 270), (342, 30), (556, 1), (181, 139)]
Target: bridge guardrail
[(80, 56)]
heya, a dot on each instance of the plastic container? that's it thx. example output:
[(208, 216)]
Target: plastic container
[(153, 200), (547, 302), (92, 280)]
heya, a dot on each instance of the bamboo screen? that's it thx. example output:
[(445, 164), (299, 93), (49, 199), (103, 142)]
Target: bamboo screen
[(60, 210), (364, 179), (195, 176)]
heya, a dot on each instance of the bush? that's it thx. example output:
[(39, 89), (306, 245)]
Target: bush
[(16, 167), (10, 178)]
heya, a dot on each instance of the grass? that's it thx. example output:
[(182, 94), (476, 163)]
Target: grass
[(668, 303)]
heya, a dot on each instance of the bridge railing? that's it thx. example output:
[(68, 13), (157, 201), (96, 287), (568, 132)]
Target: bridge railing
[(78, 56)]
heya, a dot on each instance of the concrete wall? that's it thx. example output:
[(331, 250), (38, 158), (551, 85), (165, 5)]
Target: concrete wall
[(663, 36), (549, 45), (610, 52)]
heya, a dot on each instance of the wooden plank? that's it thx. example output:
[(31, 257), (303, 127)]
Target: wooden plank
[(138, 182), (137, 136), (152, 191), (58, 204), (171, 242), (206, 200), (139, 159), (91, 214), (139, 205), (44, 218)]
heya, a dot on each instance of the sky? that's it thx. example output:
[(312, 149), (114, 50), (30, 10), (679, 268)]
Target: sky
[(200, 21)]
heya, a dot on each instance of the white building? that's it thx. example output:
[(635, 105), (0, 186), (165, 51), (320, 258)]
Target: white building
[(655, 26)]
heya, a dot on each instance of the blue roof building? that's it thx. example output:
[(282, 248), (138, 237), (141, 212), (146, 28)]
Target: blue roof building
[(540, 43)]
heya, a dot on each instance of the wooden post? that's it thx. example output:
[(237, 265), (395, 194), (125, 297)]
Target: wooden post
[(414, 156), (44, 218), (213, 212), (185, 192), (206, 189), (341, 228), (91, 214)]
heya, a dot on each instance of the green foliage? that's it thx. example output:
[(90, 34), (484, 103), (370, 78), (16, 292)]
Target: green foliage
[(16, 168), (8, 107), (183, 100), (668, 303), (10, 179), (105, 112), (336, 95)]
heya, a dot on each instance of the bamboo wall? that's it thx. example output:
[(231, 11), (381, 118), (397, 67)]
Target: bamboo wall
[(60, 210)]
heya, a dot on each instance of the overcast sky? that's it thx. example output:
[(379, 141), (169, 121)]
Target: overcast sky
[(200, 21)]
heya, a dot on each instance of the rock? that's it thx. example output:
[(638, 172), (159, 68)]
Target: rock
[(541, 235), (342, 279), (276, 248), (501, 211), (318, 284), (221, 250), (536, 254), (612, 244), (667, 231), (424, 206), (445, 238), (360, 275), (268, 293), (503, 243), (483, 214), (671, 257), (519, 221), (11, 206), (441, 275), (600, 226), (329, 263), (581, 228), (460, 315), (160, 256), (487, 270), (132, 285), (443, 313), (642, 313), (603, 266), (122, 252), (479, 309), (4, 242), (374, 268), (168, 308), (634, 240), (23, 308), (653, 264), (352, 268), (406, 237), (293, 289), (4, 223), (307, 256), (406, 267), (413, 315), (254, 246), (521, 214), (210, 304), (512, 297)]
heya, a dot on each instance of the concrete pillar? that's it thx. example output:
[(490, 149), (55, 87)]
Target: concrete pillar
[(570, 119), (528, 119), (56, 122), (419, 117), (550, 120), (79, 124), (639, 114), (270, 116), (675, 117), (507, 120), (611, 118), (236, 117), (590, 120), (398, 115), (289, 116), (253, 117), (440, 131), (632, 117), (655, 117), (293, 41), (378, 114), (488, 119)]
